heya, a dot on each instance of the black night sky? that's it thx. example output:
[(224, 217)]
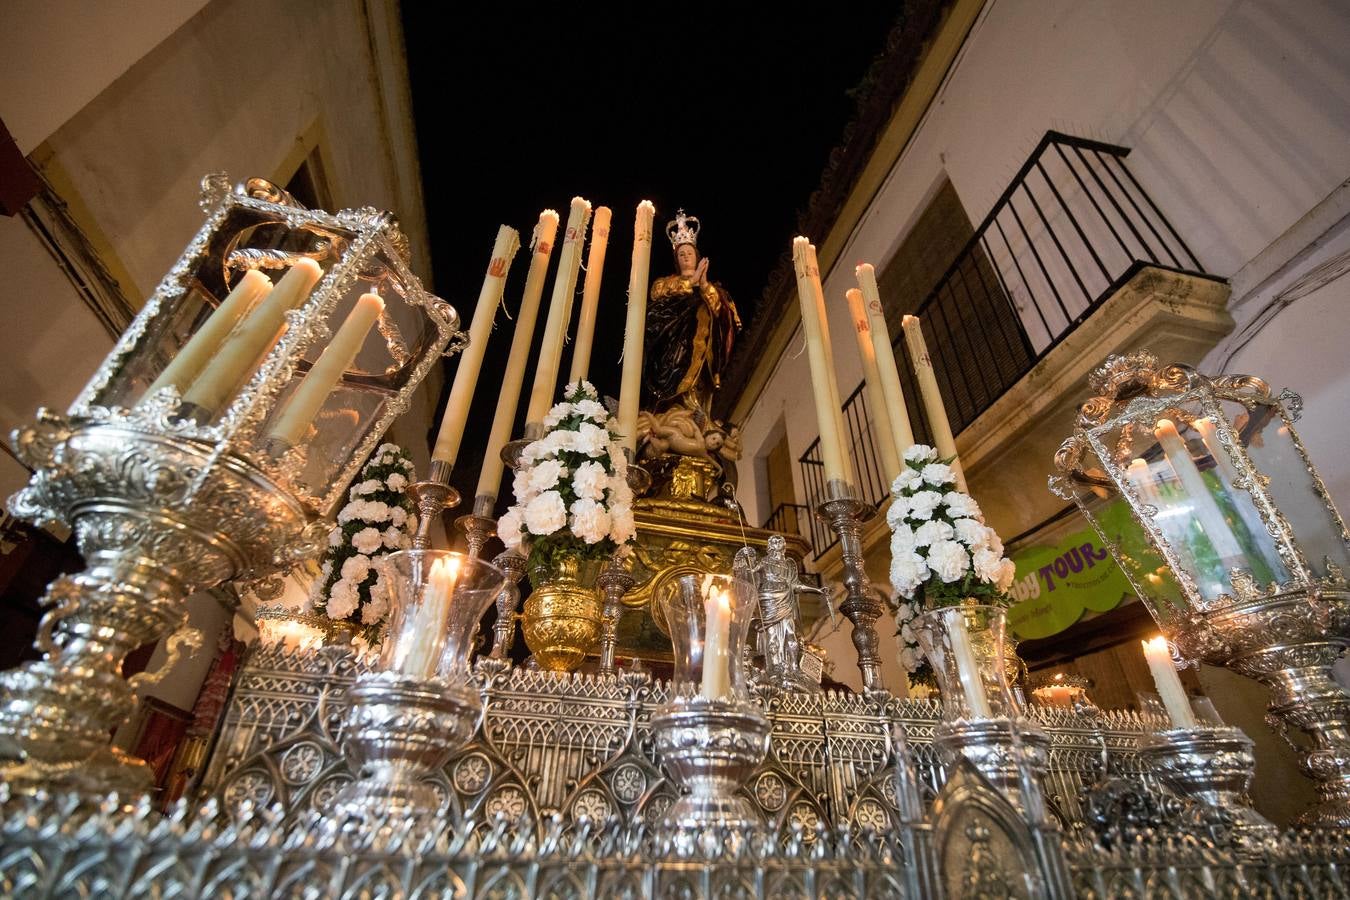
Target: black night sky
[(520, 108)]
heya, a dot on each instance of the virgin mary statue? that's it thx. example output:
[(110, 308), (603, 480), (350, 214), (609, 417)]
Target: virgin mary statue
[(691, 329)]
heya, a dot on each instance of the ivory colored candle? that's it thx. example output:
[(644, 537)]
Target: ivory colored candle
[(824, 391), (1168, 682), (456, 413), (204, 343), (967, 667), (901, 431), (337, 357), (882, 431), (1211, 518), (559, 309), (255, 335), (933, 408), (590, 295), (716, 646), (421, 658), (490, 476), (630, 388)]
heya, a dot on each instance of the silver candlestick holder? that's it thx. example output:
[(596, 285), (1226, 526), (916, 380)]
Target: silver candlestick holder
[(396, 733), (433, 496), (614, 582), (846, 512), (477, 530), (1213, 765), (512, 565), (997, 752), (712, 748)]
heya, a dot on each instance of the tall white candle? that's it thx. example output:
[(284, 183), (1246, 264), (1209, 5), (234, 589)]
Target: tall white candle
[(471, 360), (249, 342), (490, 476), (1242, 500), (882, 430), (206, 340), (630, 390), (716, 645), (590, 295), (1168, 682), (425, 633), (1218, 531), (933, 408), (824, 389), (967, 666), (303, 405), (559, 309), (885, 353)]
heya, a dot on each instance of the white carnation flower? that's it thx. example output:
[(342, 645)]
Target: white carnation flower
[(546, 513), (908, 571), (374, 611), (938, 474), (590, 521), (622, 527), (557, 414), (396, 482), (909, 659), (343, 598), (920, 453), (592, 410), (572, 387), (897, 511), (346, 514), (1006, 576), (520, 485), (335, 536), (556, 442), (355, 568), (906, 481), (972, 533), (394, 538), (902, 539), (961, 505), (988, 564), (398, 516), (905, 612), (590, 481), (508, 528), (369, 486), (326, 569), (590, 439), (620, 494), (387, 447), (922, 505), (544, 475), (930, 533), (949, 560), (367, 540)]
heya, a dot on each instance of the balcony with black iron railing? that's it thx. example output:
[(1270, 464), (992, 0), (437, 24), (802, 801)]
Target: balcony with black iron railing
[(1071, 229)]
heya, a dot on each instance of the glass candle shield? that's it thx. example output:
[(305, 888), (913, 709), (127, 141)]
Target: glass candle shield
[(286, 336), (966, 646), (437, 598), (708, 617)]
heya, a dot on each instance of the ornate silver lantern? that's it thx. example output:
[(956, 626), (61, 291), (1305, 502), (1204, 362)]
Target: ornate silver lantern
[(225, 423), (1208, 501)]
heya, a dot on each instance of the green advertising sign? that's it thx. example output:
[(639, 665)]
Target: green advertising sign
[(1059, 576)]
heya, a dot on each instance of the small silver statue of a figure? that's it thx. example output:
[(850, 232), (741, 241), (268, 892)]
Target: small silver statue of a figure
[(778, 582)]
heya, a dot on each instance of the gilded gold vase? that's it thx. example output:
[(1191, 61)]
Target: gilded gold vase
[(562, 615)]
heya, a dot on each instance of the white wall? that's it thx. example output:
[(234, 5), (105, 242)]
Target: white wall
[(1236, 113), (62, 53)]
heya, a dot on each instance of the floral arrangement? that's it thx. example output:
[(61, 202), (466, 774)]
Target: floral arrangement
[(379, 518), (571, 488), (941, 551)]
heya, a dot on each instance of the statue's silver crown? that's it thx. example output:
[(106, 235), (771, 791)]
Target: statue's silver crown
[(682, 229)]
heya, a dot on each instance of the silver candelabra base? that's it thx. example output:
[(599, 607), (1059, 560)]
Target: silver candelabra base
[(845, 512), (398, 731), (156, 518), (1213, 766), (712, 748)]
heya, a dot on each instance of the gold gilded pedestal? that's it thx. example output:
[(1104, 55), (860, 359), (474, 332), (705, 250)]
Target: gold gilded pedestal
[(680, 533)]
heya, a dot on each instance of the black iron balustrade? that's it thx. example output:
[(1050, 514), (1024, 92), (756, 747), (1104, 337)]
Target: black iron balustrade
[(1072, 228)]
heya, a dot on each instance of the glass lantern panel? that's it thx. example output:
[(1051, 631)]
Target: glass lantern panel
[(1131, 547), (192, 304), (1268, 439), (1210, 528)]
